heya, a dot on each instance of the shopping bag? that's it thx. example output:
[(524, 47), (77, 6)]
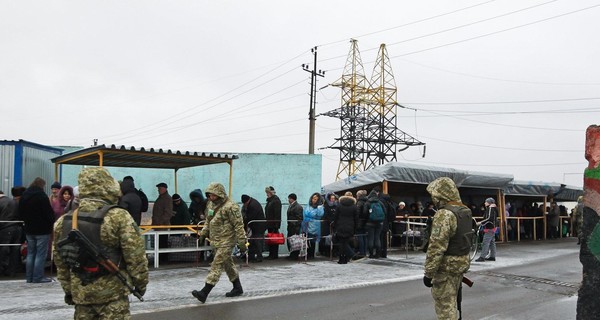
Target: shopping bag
[(295, 242), (274, 239)]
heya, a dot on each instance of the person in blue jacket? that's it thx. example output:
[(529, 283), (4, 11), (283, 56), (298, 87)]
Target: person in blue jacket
[(311, 225)]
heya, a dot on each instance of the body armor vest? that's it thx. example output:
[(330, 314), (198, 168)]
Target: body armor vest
[(88, 223), (460, 243)]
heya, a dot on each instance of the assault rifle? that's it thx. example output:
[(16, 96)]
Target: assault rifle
[(99, 257)]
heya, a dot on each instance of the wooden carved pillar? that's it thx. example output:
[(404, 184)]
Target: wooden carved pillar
[(588, 302)]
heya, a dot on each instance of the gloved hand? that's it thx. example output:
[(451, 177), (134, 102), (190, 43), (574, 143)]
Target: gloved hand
[(242, 246), (427, 282), (141, 290), (69, 299)]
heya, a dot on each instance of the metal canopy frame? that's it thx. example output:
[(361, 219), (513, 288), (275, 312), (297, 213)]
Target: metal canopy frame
[(130, 157)]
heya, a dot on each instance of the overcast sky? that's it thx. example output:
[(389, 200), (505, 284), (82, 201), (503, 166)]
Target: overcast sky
[(498, 86)]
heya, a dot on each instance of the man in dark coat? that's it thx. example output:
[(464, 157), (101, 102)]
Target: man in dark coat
[(162, 212), (273, 213), (294, 212), (182, 214), (390, 209), (253, 212), (363, 216), (130, 200), (38, 215)]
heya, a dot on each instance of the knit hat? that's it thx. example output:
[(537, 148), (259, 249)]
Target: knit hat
[(128, 178), (56, 185), (176, 197), (490, 200), (245, 198), (293, 196), (270, 189), (402, 203)]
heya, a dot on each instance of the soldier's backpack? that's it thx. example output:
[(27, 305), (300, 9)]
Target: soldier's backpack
[(144, 199), (74, 256), (376, 212)]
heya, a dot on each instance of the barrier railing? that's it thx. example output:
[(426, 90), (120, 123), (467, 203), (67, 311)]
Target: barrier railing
[(303, 233), (534, 228), (156, 231), (2, 226)]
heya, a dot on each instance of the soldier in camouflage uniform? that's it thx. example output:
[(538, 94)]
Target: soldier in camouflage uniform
[(225, 229), (104, 296), (449, 244)]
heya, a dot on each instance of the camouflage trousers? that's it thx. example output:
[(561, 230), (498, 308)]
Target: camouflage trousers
[(444, 292), (114, 310), (222, 261)]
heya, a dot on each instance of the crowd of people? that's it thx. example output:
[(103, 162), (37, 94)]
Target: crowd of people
[(108, 213)]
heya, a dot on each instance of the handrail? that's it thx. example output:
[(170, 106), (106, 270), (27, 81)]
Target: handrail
[(156, 231), (16, 222)]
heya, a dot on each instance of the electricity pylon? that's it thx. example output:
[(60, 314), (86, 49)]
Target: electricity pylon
[(369, 135)]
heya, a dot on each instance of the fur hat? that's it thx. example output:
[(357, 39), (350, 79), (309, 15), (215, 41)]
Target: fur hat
[(270, 189), (490, 200), (245, 198)]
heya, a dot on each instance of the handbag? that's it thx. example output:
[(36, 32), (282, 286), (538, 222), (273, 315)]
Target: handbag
[(295, 242), (274, 239)]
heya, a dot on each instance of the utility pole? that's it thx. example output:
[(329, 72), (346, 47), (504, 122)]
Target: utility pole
[(313, 99)]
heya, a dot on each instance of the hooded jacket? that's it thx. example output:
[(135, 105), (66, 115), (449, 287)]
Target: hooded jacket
[(445, 224), (61, 199), (198, 206), (313, 212), (36, 212), (97, 189), (225, 227), (131, 201), (345, 218)]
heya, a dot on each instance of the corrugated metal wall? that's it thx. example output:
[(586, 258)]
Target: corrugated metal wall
[(7, 167), (36, 163)]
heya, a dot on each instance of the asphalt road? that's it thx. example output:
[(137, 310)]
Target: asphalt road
[(545, 288)]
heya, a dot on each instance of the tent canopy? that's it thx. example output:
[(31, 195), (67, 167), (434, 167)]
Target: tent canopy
[(417, 174), (561, 192)]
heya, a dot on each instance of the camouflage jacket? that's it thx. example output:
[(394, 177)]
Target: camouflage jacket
[(97, 189), (224, 226), (443, 191)]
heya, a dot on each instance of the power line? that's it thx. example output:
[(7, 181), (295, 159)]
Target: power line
[(181, 127), (452, 29), (501, 79), (211, 100), (410, 23), (503, 102), (497, 32), (497, 147), (501, 164), (507, 125), (465, 113)]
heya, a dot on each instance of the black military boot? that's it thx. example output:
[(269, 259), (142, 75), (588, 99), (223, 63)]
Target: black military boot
[(203, 294), (237, 289)]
